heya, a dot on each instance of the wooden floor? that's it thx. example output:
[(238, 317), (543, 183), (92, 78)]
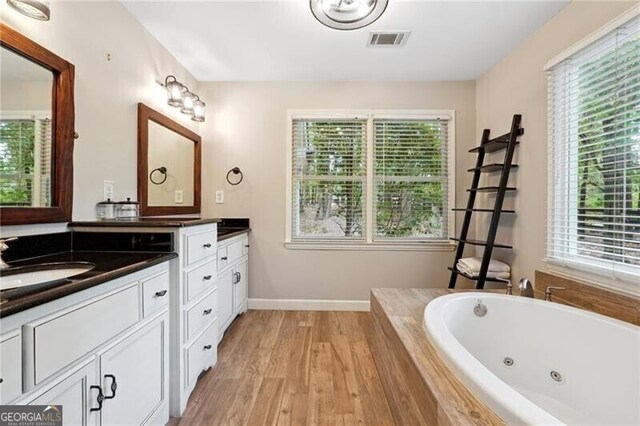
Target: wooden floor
[(292, 368)]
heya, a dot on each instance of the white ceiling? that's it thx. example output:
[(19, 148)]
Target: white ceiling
[(281, 40)]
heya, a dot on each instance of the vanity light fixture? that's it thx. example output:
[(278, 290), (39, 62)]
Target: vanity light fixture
[(198, 110), (179, 96), (187, 102), (347, 14), (36, 9), (175, 89)]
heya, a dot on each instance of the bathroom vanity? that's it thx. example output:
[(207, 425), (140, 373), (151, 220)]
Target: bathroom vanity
[(97, 343), (208, 289)]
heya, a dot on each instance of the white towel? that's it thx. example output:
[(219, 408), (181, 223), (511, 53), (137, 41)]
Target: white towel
[(491, 274), (473, 264)]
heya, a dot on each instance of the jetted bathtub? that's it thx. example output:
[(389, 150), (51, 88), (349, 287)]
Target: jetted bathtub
[(537, 362)]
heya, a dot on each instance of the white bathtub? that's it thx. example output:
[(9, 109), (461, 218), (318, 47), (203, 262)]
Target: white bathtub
[(597, 358)]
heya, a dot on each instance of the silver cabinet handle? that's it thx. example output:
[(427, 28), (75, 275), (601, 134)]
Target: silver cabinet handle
[(206, 278), (206, 311), (207, 245), (161, 293), (223, 258)]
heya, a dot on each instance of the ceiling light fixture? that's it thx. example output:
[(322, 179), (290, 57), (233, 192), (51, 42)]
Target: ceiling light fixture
[(347, 14), (179, 96), (36, 9)]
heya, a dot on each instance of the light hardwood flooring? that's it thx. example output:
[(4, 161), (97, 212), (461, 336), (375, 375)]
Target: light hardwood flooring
[(292, 368)]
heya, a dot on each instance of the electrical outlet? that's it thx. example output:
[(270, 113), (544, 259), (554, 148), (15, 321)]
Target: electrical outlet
[(178, 196), (219, 197), (108, 190)]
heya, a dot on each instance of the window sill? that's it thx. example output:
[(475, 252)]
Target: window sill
[(626, 284), (379, 246)]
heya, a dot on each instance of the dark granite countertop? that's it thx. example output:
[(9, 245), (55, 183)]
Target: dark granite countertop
[(109, 266), (230, 232), (148, 222)]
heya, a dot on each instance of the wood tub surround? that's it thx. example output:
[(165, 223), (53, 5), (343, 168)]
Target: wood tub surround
[(419, 386), (584, 296)]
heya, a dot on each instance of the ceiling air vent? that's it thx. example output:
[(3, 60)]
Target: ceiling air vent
[(388, 38)]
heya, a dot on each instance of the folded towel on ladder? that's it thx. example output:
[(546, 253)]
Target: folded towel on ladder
[(490, 274), (473, 264)]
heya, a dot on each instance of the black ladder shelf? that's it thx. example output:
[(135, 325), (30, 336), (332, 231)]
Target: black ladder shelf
[(507, 142)]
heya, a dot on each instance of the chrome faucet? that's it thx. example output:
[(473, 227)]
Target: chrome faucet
[(547, 292), (3, 247), (526, 287)]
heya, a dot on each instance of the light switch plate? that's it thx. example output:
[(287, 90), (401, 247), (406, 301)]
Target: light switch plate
[(179, 196), (108, 190), (219, 197)]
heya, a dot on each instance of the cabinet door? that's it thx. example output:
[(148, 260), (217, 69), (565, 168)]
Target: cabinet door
[(138, 365), (240, 288), (75, 396), (225, 299)]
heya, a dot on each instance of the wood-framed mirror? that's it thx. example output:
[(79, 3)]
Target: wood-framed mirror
[(36, 132), (169, 158)]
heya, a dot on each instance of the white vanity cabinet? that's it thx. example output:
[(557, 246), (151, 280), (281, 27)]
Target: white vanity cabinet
[(233, 279), (98, 352), (193, 304)]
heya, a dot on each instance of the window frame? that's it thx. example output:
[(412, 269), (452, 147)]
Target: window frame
[(619, 277), (369, 242)]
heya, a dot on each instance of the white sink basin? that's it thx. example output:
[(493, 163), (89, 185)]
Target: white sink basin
[(25, 276)]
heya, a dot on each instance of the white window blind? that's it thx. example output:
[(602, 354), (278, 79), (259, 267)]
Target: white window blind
[(594, 130), (329, 179), (43, 132), (25, 161), (411, 179), (370, 178)]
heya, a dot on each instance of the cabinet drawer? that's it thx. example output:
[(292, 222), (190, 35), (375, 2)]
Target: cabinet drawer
[(245, 246), (10, 368), (222, 258), (155, 293), (201, 314), (200, 246), (202, 354), (56, 341), (200, 280), (234, 251)]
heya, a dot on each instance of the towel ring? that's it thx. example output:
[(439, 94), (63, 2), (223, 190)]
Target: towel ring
[(162, 170), (235, 171)]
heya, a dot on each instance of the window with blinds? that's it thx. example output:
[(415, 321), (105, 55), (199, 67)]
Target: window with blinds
[(594, 129), (329, 169), (369, 179), (25, 162), (410, 176)]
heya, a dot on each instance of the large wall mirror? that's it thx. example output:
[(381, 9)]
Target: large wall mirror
[(36, 132), (168, 165)]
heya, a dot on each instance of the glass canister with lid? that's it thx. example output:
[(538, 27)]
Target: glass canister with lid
[(128, 210), (107, 209)]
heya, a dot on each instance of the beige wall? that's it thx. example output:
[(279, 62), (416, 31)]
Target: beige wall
[(106, 91), (246, 128), (518, 84)]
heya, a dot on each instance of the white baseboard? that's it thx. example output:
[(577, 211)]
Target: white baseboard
[(309, 305)]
